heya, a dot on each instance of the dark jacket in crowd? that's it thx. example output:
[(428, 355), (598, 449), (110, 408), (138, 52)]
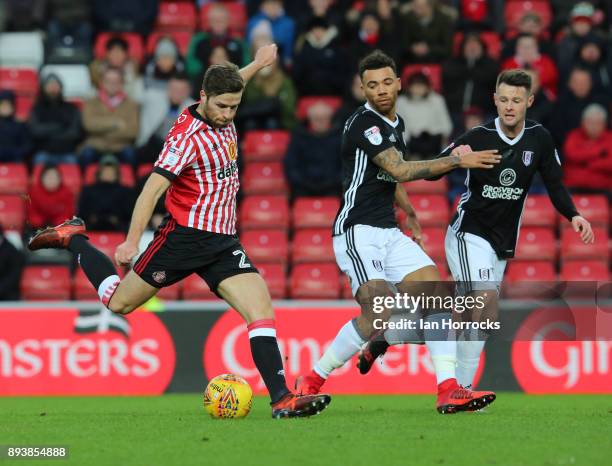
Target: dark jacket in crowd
[(12, 262), (13, 134), (438, 35), (126, 16), (106, 206), (568, 113)]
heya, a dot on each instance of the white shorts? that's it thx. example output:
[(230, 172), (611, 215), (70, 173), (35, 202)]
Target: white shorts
[(472, 261), (367, 253)]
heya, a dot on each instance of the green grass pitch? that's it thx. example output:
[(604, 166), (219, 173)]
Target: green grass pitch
[(355, 430)]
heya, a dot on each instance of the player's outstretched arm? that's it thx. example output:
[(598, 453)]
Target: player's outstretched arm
[(264, 56), (153, 189), (392, 162)]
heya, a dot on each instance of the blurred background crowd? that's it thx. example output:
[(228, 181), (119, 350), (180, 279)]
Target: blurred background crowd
[(90, 88)]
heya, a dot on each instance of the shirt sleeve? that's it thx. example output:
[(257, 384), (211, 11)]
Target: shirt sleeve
[(178, 152), (370, 136), (552, 175), (463, 139)]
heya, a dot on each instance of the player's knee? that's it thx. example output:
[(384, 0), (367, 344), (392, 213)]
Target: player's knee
[(120, 308)]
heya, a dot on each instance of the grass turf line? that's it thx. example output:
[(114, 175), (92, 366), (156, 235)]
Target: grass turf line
[(355, 430)]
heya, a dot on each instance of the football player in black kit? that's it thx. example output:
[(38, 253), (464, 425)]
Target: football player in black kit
[(484, 231), (370, 248)]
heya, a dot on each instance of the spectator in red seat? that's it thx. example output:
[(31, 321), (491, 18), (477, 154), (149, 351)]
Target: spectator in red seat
[(110, 121), (12, 261), (55, 125), (203, 44), (368, 37), (588, 152), (531, 24), (15, 140), (106, 205), (323, 9), (312, 162), (426, 33), (426, 119), (320, 66), (51, 201), (527, 55), (165, 62)]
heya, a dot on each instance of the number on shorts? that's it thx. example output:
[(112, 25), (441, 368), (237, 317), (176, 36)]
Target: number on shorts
[(243, 264)]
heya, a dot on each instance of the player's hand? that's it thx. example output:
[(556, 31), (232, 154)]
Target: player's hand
[(265, 55), (415, 228), (461, 150), (125, 253), (480, 159), (582, 226)]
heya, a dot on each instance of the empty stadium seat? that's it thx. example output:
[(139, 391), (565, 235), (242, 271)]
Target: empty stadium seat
[(135, 45), (537, 243), (592, 207), (22, 49), (539, 211), (274, 275), (264, 212), (71, 176), (265, 146), (431, 209), (433, 238), (173, 16), (45, 283), (491, 40), (195, 288), (13, 178), (314, 212), (106, 241), (585, 271), (572, 246), (12, 212), (180, 38), (263, 178), (22, 81), (76, 79), (315, 281), (515, 10), (266, 245), (312, 245), (237, 16), (433, 72), (23, 107), (521, 271), (427, 187), (304, 103), (127, 174)]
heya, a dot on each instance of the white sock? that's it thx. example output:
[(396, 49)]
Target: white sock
[(442, 349), (346, 344), (107, 288), (468, 357)]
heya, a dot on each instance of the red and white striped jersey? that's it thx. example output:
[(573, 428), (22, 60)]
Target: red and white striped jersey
[(200, 160)]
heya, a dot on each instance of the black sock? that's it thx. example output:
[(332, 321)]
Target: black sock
[(269, 363), (378, 347), (96, 265)]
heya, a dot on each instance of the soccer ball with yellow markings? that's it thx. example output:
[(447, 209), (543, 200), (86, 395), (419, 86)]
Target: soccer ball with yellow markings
[(228, 396)]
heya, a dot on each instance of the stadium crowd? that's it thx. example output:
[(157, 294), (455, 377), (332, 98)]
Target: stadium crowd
[(90, 88)]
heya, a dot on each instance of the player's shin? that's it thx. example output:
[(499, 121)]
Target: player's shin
[(97, 267), (441, 345), (267, 357), (347, 343)]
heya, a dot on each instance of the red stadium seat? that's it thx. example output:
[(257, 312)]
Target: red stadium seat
[(237, 15), (12, 212), (585, 271), (134, 40), (195, 288), (427, 187), (592, 207), (314, 212), (431, 210), (315, 281), (180, 38), (306, 102), (433, 72), (176, 16), (539, 211), (266, 245), (265, 146), (264, 212), (312, 245), (127, 174), (345, 288), (529, 280), (172, 292), (433, 238), (106, 241), (144, 169), (491, 40), (537, 243), (572, 246), (263, 178), (23, 107), (515, 10), (22, 81), (274, 275), (13, 178), (45, 283), (71, 176)]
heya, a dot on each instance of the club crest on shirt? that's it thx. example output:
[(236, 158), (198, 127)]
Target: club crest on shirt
[(377, 265), (373, 135), (159, 277), (233, 151), (527, 157), (485, 274)]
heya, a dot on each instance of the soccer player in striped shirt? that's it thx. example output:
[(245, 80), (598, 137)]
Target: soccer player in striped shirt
[(197, 167)]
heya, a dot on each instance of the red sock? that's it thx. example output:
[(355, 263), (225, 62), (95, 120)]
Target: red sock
[(448, 384)]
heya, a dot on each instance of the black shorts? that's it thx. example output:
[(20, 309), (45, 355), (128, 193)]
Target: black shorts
[(177, 251)]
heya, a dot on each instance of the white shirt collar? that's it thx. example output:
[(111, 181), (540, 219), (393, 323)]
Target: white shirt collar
[(392, 123), (505, 138)]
